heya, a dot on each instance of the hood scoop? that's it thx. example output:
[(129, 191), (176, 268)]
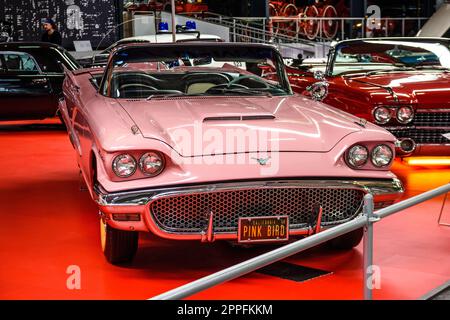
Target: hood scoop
[(240, 118)]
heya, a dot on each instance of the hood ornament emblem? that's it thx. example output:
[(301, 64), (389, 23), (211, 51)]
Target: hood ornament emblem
[(262, 161)]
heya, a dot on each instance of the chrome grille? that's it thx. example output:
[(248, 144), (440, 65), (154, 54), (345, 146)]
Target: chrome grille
[(423, 136), (432, 119), (187, 213)]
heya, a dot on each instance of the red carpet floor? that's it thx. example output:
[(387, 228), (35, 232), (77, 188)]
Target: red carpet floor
[(48, 224)]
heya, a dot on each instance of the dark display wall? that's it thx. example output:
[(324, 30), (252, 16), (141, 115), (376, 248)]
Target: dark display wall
[(92, 20)]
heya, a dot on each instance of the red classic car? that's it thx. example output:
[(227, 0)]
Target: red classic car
[(401, 84), (186, 6), (188, 142)]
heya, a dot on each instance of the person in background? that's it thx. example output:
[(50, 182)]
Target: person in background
[(297, 62), (51, 34)]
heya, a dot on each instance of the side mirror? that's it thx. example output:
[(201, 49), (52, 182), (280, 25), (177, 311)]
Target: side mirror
[(318, 90)]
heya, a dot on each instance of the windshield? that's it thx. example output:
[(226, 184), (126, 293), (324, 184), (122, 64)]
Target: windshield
[(390, 56), (123, 42), (146, 72)]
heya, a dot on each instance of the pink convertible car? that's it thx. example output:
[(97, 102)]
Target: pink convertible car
[(189, 142)]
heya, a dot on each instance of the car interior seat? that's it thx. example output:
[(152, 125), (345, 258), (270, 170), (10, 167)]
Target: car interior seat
[(13, 62), (199, 83)]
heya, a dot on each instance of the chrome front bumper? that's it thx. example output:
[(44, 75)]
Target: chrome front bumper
[(378, 188), (385, 192)]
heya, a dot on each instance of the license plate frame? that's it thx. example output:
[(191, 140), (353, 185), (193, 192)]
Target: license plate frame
[(246, 235)]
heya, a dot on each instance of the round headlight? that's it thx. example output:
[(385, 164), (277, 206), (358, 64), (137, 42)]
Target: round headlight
[(151, 163), (357, 156), (382, 115), (382, 155), (405, 114), (124, 165)]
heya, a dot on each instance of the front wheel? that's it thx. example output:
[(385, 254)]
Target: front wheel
[(347, 241), (118, 246)]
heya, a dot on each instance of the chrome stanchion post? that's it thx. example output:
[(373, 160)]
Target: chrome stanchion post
[(264, 30), (403, 27), (174, 24), (368, 246)]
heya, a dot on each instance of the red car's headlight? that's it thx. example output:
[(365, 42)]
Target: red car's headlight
[(405, 115), (151, 163), (124, 165), (382, 115)]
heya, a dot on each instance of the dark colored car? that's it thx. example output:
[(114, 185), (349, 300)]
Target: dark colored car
[(31, 77)]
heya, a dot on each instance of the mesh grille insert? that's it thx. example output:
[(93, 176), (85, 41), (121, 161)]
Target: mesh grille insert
[(187, 213), (422, 136), (432, 119)]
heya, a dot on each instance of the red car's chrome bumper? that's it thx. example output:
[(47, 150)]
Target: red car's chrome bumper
[(169, 213), (432, 150)]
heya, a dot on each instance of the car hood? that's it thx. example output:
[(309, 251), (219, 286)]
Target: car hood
[(208, 125), (410, 87)]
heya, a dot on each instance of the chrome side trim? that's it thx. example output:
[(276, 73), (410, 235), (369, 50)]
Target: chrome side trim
[(432, 110), (434, 144), (415, 127), (143, 197), (432, 128)]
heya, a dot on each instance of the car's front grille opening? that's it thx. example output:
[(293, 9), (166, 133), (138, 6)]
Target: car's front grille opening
[(423, 136), (187, 213), (432, 119)]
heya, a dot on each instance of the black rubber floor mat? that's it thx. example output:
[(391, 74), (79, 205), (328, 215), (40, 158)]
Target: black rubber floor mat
[(292, 271)]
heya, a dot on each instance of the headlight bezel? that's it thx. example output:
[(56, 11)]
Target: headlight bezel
[(155, 153), (407, 121), (349, 161), (372, 156), (389, 112), (370, 163), (115, 165)]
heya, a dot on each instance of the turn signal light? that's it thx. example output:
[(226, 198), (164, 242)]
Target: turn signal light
[(428, 161), (126, 217)]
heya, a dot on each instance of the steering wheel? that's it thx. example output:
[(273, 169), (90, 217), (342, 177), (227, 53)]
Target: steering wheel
[(226, 86), (257, 79)]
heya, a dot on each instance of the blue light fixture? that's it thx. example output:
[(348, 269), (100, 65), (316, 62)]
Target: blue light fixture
[(163, 26), (191, 25)]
